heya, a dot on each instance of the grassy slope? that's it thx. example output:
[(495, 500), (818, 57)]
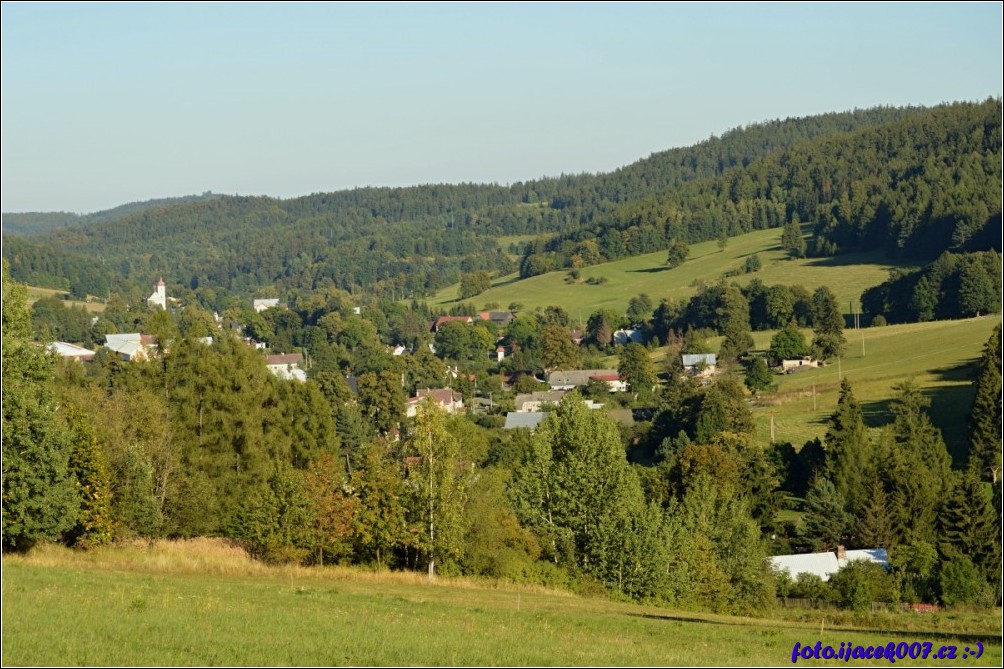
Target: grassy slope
[(937, 356), (36, 293), (847, 276), (139, 606)]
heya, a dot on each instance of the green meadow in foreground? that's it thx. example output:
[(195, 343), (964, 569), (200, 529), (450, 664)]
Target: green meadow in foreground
[(203, 603)]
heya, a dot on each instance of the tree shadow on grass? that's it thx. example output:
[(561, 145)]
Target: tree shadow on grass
[(650, 270), (987, 639)]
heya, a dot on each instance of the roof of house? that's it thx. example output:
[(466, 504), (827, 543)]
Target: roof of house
[(826, 564), (694, 359), (284, 359), (498, 317), (552, 396), (528, 420), (580, 377), (68, 350), (441, 396), (446, 319)]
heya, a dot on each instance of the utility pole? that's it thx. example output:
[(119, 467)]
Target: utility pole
[(813, 396), (772, 428)]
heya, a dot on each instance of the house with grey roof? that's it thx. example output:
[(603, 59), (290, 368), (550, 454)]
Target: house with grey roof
[(699, 364), (525, 419)]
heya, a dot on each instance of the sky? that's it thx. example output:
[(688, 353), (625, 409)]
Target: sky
[(104, 104)]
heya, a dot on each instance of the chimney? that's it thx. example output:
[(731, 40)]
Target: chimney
[(841, 553)]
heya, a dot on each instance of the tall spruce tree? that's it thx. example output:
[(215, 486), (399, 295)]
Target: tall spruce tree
[(848, 449), (827, 324), (968, 526), (916, 466), (826, 520), (734, 319), (986, 416), (874, 527)]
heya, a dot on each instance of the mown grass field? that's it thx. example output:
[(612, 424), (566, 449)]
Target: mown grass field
[(36, 293), (939, 357), (201, 603), (848, 276)]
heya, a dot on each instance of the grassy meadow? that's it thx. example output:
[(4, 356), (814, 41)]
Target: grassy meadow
[(36, 293), (201, 602), (937, 356), (847, 275)]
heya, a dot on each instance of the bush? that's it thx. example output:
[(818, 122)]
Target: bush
[(878, 320)]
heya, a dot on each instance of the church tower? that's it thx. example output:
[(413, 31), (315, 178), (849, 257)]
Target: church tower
[(159, 297)]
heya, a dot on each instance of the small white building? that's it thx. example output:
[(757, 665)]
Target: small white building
[(159, 296), (263, 304), (797, 364), (699, 364)]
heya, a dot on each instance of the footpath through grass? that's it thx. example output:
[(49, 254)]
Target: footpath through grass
[(200, 603)]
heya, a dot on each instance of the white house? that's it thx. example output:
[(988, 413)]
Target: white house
[(263, 304), (790, 365), (447, 398), (622, 337), (286, 366), (699, 364), (159, 296), (826, 564), (131, 345)]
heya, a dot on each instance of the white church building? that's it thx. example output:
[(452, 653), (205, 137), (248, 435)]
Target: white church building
[(159, 297)]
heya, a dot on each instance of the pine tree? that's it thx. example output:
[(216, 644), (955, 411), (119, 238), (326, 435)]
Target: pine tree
[(986, 416), (734, 316), (90, 474), (826, 520), (968, 526), (875, 525), (827, 324), (848, 449), (791, 238)]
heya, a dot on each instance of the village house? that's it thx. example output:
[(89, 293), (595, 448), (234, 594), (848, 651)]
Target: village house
[(448, 399), (531, 402), (263, 304), (500, 318), (569, 380), (622, 337), (132, 345), (701, 365), (824, 565), (71, 351), (790, 365), (286, 366), (529, 420)]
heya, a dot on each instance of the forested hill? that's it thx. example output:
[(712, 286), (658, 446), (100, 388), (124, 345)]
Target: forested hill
[(915, 186), (411, 241), (35, 223)]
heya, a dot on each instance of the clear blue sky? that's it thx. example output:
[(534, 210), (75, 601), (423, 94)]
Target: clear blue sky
[(104, 104)]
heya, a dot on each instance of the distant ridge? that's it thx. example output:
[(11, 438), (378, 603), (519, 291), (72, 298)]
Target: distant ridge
[(36, 223)]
